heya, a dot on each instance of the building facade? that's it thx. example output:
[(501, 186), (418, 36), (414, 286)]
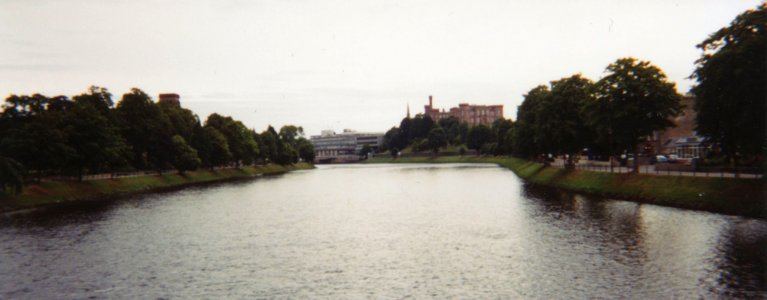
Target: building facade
[(330, 147), (170, 98), (466, 113), (681, 139)]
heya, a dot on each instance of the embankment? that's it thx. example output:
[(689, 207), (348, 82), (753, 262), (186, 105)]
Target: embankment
[(745, 197), (58, 192)]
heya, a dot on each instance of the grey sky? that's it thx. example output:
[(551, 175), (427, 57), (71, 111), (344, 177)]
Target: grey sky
[(340, 64)]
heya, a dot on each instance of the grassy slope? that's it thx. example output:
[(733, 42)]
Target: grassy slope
[(66, 191), (724, 195)]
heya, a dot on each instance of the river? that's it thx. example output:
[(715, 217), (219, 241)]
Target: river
[(379, 231)]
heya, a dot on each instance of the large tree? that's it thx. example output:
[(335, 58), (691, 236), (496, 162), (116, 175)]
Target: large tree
[(478, 136), (500, 127), (437, 139), (560, 122), (632, 101), (240, 139), (97, 145), (305, 149), (12, 175), (731, 81), (525, 138), (185, 157), (147, 130)]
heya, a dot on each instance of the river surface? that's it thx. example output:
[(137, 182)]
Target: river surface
[(380, 231)]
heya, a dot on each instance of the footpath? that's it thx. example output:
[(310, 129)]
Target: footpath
[(662, 169)]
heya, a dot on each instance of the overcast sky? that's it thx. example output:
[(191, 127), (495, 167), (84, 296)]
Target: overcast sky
[(340, 64)]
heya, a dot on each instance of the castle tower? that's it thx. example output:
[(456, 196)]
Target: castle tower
[(170, 98)]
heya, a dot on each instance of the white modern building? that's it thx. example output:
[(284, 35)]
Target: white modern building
[(332, 147)]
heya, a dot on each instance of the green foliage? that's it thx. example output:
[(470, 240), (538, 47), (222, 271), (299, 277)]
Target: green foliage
[(269, 140), (478, 136), (500, 128), (455, 130), (364, 151), (420, 127), (97, 144), (392, 139), (242, 145), (305, 149), (632, 101), (560, 117), (12, 175), (526, 140), (437, 139), (215, 148), (56, 136), (146, 129), (186, 158), (290, 134), (731, 85)]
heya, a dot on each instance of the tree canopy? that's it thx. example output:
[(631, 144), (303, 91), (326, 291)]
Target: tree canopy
[(632, 101), (730, 92), (43, 136)]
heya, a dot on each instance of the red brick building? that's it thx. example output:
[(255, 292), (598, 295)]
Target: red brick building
[(681, 140), (466, 113), (170, 98)]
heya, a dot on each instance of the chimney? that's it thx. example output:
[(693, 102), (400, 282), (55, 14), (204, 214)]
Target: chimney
[(430, 104)]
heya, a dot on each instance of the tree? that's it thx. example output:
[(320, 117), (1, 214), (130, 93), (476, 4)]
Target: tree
[(186, 158), (420, 127), (507, 147), (365, 151), (560, 123), (305, 149), (526, 140), (183, 121), (479, 135), (215, 148), (239, 138), (12, 175), (391, 139), (437, 139), (269, 140), (731, 82), (500, 127), (147, 130), (632, 101), (290, 133), (97, 145), (33, 135), (455, 130)]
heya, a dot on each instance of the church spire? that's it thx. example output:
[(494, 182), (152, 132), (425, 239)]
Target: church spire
[(408, 110)]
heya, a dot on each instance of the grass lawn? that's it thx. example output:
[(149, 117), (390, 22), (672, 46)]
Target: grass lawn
[(46, 193), (745, 197)]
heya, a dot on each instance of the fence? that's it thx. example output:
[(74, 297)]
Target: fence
[(677, 170)]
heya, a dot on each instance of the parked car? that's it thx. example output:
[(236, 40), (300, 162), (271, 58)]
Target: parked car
[(659, 159)]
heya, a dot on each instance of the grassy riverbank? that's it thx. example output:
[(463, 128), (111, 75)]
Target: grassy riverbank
[(50, 193), (744, 197)]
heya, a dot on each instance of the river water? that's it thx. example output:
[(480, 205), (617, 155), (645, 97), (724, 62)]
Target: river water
[(380, 231)]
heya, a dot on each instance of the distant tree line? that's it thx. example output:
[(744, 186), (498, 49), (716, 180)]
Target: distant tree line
[(88, 134), (619, 112)]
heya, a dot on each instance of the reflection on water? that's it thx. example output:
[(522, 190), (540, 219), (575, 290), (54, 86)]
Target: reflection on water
[(380, 231)]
